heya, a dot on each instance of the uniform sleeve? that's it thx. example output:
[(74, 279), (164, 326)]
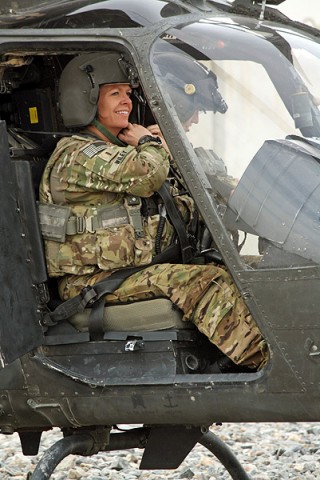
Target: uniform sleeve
[(140, 171)]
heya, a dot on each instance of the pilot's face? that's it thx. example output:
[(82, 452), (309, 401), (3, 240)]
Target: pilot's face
[(114, 106), (194, 119)]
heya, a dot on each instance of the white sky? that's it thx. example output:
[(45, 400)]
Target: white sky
[(307, 11)]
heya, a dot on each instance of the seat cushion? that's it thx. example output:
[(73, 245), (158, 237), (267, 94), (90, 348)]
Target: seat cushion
[(147, 315)]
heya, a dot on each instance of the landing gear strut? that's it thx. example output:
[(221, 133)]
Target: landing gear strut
[(225, 456), (86, 444)]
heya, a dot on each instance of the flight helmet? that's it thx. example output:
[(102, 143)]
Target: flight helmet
[(190, 84), (80, 82)]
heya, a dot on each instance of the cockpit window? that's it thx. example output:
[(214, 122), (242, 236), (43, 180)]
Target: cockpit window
[(248, 101)]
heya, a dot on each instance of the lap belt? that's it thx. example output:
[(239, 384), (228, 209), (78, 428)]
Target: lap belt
[(94, 296), (90, 297)]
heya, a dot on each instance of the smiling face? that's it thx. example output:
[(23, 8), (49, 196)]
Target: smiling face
[(114, 106)]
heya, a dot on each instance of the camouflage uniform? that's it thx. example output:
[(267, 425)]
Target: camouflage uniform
[(83, 174)]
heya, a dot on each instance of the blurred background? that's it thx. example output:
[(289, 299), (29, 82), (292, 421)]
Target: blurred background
[(306, 11)]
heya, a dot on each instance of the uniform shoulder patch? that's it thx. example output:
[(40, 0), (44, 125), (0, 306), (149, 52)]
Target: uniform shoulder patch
[(94, 148)]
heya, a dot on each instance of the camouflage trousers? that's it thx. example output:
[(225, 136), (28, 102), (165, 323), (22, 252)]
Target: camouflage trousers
[(205, 294)]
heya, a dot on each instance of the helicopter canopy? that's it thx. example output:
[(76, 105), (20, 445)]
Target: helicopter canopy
[(261, 156)]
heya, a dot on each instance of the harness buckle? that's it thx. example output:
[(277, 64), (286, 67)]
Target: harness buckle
[(81, 224), (89, 224), (89, 296)]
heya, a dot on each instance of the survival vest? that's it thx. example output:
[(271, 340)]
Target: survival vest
[(80, 239)]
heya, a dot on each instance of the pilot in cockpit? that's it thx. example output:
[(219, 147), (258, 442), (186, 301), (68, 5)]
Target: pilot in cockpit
[(194, 89), (112, 175)]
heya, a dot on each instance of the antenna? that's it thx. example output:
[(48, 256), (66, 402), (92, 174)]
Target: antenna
[(263, 7)]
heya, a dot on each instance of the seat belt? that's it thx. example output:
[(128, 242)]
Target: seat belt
[(92, 294), (88, 296)]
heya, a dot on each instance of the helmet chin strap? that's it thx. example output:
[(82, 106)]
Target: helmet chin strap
[(102, 129)]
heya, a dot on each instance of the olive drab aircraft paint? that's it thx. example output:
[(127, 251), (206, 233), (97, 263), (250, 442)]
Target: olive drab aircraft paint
[(250, 159)]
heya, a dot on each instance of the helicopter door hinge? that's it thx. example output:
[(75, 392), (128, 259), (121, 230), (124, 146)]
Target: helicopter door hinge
[(42, 293)]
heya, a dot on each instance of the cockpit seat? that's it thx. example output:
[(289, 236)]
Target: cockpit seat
[(147, 315), (131, 343)]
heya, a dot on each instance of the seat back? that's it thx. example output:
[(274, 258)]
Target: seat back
[(30, 221)]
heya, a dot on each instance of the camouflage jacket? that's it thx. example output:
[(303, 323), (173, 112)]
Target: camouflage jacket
[(98, 181)]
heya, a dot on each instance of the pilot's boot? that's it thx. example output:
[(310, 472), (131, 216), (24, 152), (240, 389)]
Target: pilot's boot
[(222, 315), (225, 365)]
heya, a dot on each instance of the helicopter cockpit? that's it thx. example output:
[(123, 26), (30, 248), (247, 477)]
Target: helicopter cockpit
[(250, 127), (260, 159), (245, 142)]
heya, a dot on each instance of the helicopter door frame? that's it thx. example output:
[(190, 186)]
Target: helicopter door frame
[(22, 275)]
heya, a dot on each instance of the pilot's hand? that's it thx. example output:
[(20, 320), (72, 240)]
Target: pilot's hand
[(155, 130), (132, 134)]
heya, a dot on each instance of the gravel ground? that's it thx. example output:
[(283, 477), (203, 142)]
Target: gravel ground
[(267, 451)]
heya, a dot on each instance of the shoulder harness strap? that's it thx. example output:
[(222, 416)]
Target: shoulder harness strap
[(177, 222)]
